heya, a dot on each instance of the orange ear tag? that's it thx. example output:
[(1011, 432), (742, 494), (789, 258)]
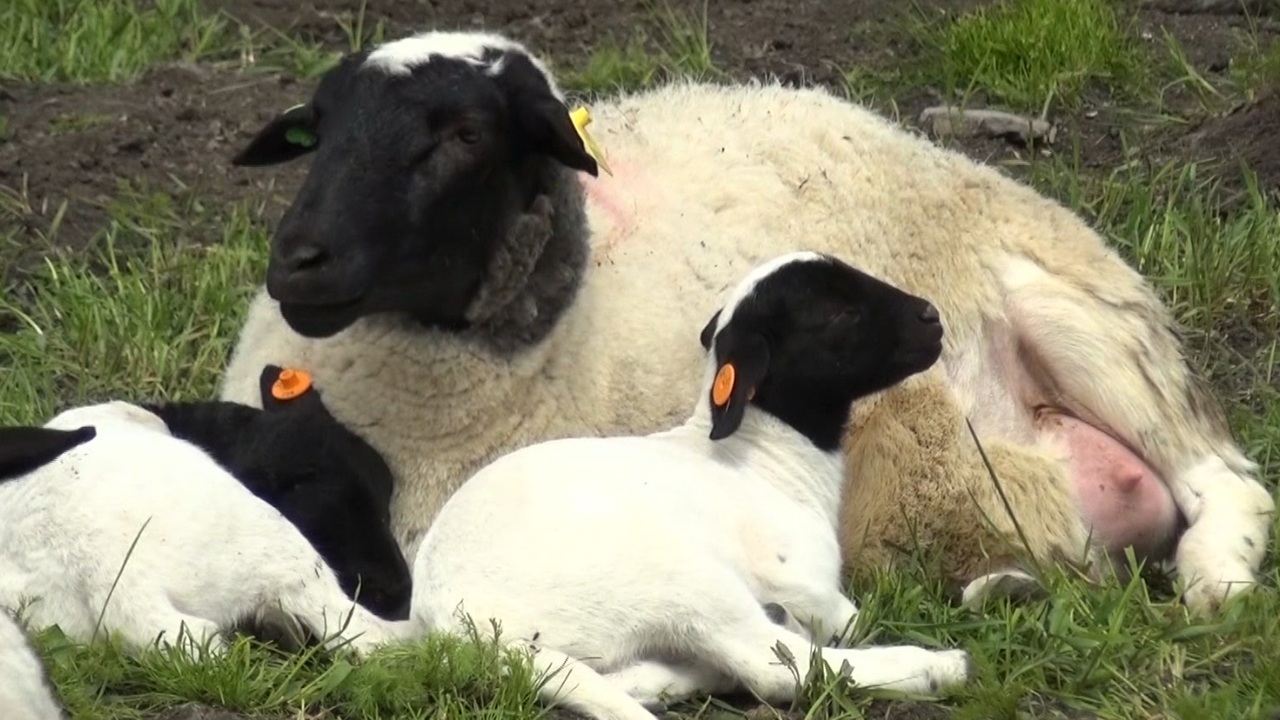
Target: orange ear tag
[(290, 384), (723, 385)]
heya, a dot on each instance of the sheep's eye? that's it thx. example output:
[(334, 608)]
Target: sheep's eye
[(469, 135)]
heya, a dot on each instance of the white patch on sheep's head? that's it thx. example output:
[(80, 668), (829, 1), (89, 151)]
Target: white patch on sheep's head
[(429, 153), (804, 335), (486, 51)]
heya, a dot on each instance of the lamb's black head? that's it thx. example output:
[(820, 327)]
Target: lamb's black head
[(334, 487), (426, 151), (24, 449), (805, 335)]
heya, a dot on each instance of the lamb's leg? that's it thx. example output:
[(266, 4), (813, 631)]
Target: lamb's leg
[(654, 684), (577, 686), (740, 639), (1103, 349), (327, 612)]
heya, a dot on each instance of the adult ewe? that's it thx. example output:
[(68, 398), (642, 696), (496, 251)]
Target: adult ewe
[(735, 510), (210, 555), (460, 283)]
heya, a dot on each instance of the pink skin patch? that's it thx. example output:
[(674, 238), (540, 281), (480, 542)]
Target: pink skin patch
[(1121, 497)]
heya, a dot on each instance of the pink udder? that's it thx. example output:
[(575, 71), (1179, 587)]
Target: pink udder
[(1121, 497)]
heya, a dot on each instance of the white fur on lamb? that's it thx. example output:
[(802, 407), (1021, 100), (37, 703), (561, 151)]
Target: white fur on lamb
[(709, 181), (601, 554), (211, 554), (25, 693)]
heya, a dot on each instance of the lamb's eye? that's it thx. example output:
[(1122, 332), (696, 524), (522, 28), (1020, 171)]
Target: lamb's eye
[(469, 135)]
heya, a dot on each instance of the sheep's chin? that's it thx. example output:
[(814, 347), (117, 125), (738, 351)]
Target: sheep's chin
[(320, 321)]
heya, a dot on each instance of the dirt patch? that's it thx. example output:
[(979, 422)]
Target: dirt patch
[(177, 127), (1249, 134)]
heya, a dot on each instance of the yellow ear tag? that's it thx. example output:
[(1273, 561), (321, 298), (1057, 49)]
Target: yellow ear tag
[(723, 385), (290, 384), (581, 118)]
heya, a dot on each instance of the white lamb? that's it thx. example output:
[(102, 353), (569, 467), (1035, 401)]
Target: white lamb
[(25, 693), (460, 284), (673, 564), (209, 556)]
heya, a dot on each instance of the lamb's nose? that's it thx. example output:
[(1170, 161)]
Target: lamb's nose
[(930, 314)]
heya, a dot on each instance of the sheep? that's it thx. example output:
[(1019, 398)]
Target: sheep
[(319, 475), (734, 511), (461, 281), (106, 489), (25, 692)]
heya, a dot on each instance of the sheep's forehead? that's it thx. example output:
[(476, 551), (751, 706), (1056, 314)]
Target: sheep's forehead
[(486, 51), (747, 286)]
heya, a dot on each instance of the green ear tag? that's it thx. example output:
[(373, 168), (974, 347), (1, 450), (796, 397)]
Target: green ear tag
[(300, 136)]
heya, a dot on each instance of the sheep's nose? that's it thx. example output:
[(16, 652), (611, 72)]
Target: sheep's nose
[(930, 314), (304, 258)]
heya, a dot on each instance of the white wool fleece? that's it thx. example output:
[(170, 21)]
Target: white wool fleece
[(710, 181), (209, 554), (25, 693)]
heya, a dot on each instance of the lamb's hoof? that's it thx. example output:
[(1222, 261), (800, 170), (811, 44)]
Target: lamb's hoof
[(955, 668), (1016, 585)]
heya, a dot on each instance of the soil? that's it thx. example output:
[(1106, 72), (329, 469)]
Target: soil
[(176, 128)]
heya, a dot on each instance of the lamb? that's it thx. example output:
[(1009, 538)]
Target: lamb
[(707, 544), (25, 692), (461, 282), (319, 475), (77, 493)]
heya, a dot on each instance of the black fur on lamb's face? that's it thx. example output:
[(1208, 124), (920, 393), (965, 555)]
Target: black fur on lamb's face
[(426, 151), (327, 481), (810, 335)]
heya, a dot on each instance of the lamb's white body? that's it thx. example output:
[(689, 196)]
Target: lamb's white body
[(24, 691), (602, 554), (209, 554), (709, 181)]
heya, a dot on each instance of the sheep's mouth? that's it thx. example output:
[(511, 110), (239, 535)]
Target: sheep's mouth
[(321, 321)]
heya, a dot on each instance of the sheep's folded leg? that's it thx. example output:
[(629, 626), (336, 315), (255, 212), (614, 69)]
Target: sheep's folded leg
[(1113, 363)]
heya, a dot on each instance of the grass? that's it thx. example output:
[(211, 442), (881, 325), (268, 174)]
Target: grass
[(1032, 53), (92, 41), (671, 43), (151, 308)]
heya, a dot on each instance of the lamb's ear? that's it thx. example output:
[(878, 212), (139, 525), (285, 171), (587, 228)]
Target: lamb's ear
[(708, 330), (23, 449), (740, 372), (289, 135), (283, 388)]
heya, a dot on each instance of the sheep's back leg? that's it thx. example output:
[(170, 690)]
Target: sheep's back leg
[(1102, 350)]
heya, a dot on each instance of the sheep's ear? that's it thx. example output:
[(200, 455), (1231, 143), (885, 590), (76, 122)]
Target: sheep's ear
[(23, 449), (291, 134), (551, 130), (740, 372), (287, 388), (708, 330)]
